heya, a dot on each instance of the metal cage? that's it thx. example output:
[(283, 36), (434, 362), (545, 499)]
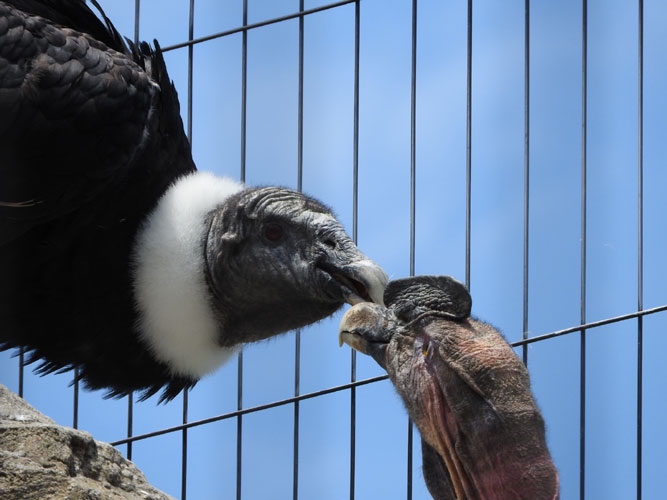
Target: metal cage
[(518, 146)]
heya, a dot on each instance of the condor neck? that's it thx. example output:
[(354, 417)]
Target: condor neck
[(176, 318)]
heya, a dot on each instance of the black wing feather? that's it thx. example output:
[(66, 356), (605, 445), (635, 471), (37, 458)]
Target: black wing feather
[(76, 15), (73, 117), (90, 138)]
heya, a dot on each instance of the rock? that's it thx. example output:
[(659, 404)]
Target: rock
[(40, 459)]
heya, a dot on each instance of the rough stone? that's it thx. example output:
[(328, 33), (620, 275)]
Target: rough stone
[(40, 459)]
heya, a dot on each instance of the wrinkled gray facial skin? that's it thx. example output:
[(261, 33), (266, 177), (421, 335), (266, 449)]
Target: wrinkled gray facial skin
[(483, 437), (277, 260)]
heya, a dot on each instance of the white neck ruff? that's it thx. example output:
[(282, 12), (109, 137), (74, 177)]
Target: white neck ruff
[(177, 321)]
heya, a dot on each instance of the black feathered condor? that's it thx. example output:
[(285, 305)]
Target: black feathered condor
[(119, 258)]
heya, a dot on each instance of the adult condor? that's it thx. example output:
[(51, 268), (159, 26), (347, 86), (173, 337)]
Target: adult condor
[(483, 437), (117, 257)]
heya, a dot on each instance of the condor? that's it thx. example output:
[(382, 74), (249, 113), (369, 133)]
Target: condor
[(483, 437), (117, 257)]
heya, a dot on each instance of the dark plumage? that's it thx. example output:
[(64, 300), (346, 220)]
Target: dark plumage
[(116, 256), (482, 434)]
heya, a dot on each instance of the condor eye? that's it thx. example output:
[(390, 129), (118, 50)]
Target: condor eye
[(331, 243), (273, 231)]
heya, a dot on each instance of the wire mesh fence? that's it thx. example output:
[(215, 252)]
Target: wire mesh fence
[(518, 147)]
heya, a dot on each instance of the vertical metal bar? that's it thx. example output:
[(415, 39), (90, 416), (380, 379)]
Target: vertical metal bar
[(75, 406), (526, 177), (355, 217), (300, 103), (297, 383), (191, 29), (413, 195), (130, 395), (411, 433), (130, 423), (239, 426), (353, 422), (582, 341), (413, 137), (640, 239), (355, 141), (184, 448), (137, 9), (244, 85), (21, 369), (468, 142), (297, 337), (184, 432)]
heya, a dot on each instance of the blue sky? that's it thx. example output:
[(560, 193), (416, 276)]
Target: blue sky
[(383, 227)]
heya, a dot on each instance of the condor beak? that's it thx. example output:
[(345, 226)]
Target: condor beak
[(363, 281), (363, 328), (359, 281)]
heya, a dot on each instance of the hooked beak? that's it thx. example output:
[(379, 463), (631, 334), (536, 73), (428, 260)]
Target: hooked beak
[(363, 281), (363, 327), (359, 281)]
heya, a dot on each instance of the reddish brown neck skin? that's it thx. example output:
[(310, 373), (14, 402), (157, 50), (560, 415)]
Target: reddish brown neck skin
[(483, 437), (470, 397)]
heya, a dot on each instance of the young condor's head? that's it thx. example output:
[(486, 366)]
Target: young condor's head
[(482, 434)]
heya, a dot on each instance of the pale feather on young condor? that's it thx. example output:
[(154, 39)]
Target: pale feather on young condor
[(483, 437), (117, 257)]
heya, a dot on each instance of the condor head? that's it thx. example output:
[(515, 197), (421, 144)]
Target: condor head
[(279, 260), (219, 265)]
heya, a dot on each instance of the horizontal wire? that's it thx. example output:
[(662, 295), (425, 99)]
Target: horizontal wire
[(372, 380), (588, 326), (259, 24), (252, 409)]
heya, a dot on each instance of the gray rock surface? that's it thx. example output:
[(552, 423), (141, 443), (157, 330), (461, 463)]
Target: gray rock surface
[(42, 460)]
